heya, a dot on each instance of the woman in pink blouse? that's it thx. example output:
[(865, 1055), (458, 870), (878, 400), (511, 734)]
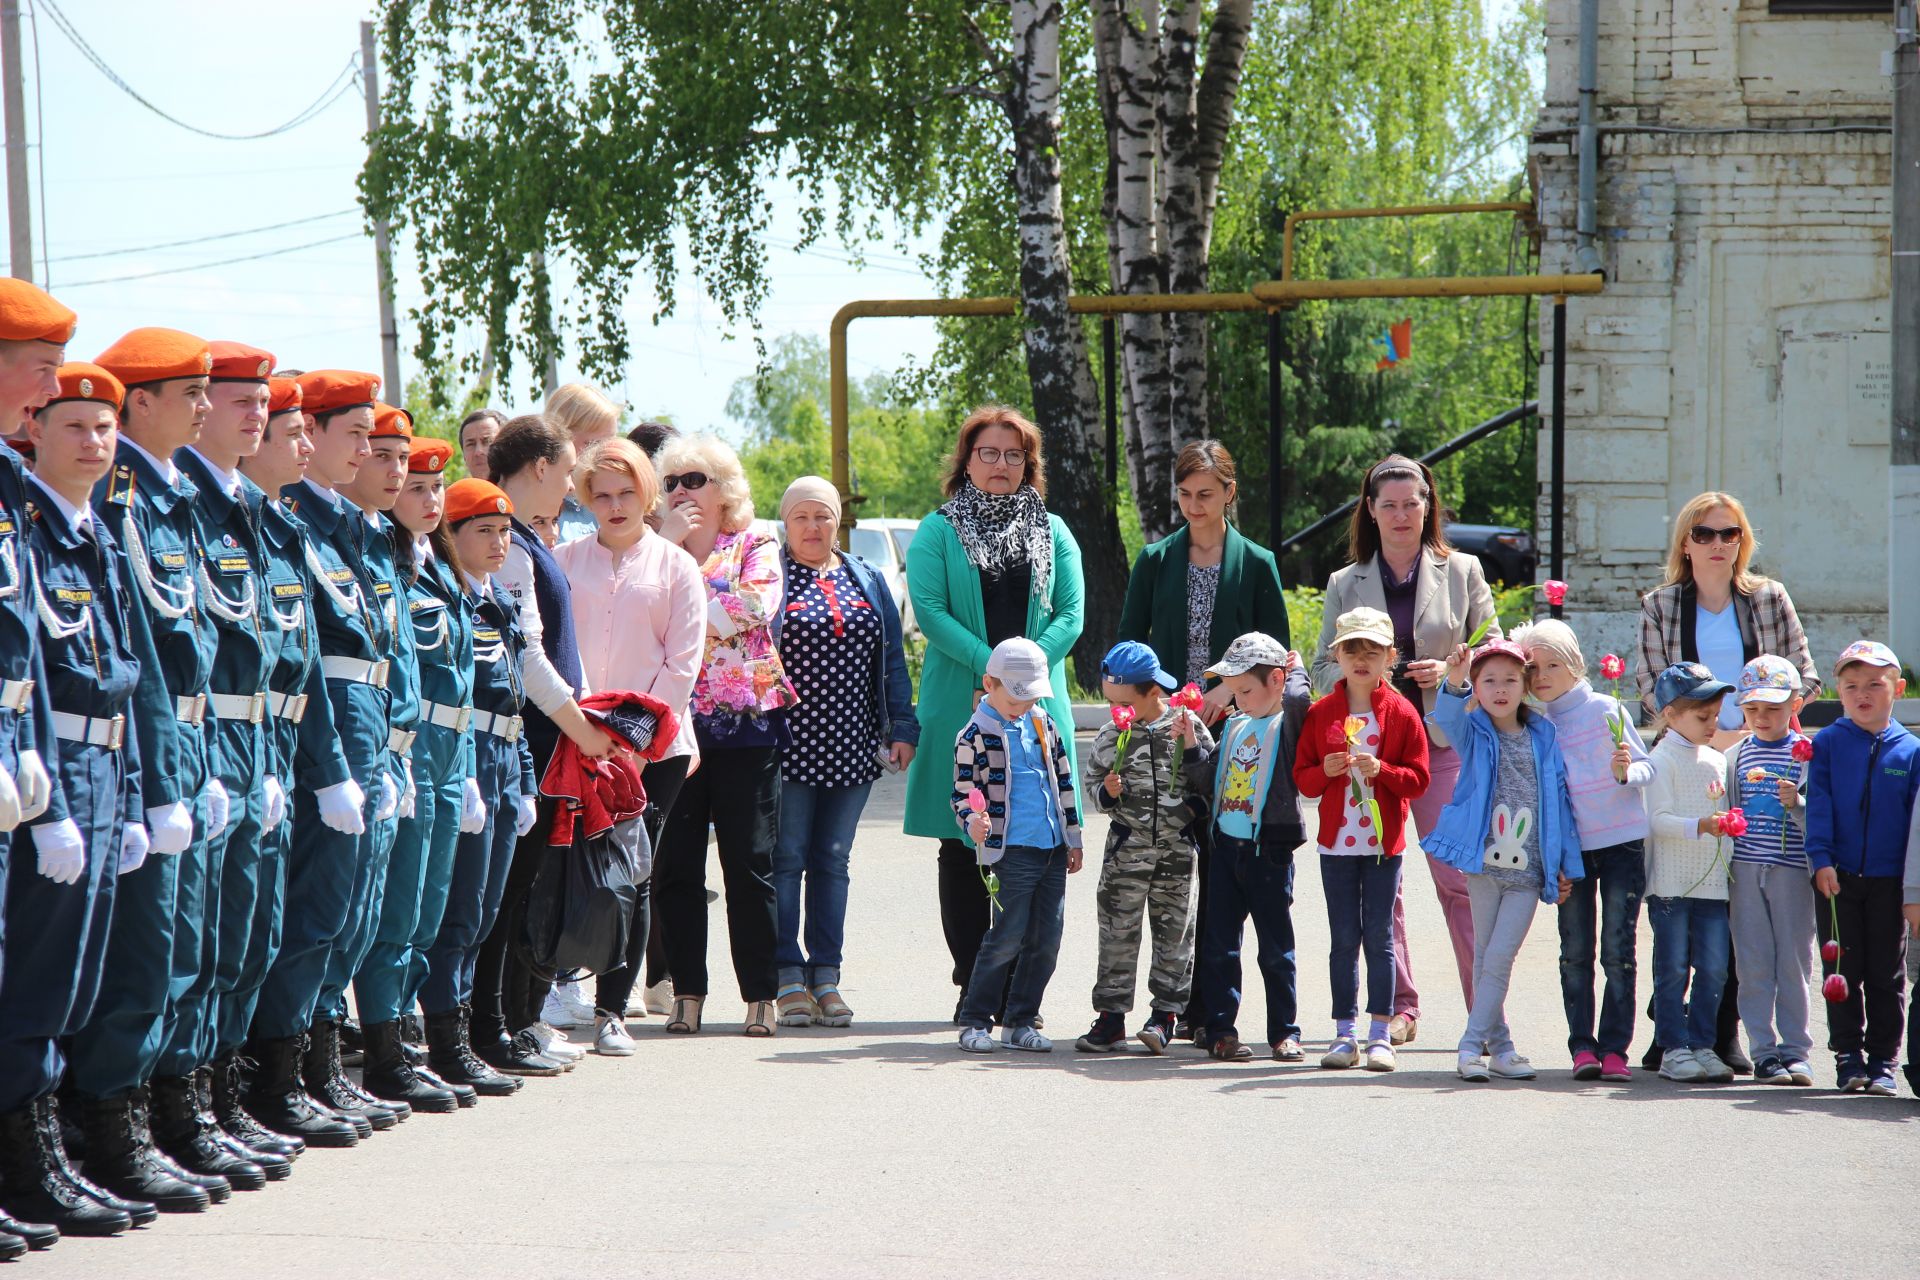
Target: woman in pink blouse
[(639, 611), (740, 697)]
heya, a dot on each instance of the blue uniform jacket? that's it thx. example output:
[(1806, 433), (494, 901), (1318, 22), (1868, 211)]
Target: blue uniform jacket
[(442, 626), (234, 587), (1860, 790), (498, 644), (390, 589), (309, 750), (20, 657)]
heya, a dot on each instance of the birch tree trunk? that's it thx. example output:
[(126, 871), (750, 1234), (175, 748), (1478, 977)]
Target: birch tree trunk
[(1058, 369)]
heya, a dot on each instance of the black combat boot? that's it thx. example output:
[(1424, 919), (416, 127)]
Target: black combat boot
[(454, 1061), (34, 1186), (234, 1119), (178, 1131), (277, 1167), (388, 1075), (38, 1235), (326, 1080), (277, 1099), (121, 1157)]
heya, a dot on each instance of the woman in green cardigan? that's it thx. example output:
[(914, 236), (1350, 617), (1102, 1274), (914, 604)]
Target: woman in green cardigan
[(990, 564)]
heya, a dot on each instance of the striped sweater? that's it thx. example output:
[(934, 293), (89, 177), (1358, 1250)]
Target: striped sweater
[(980, 760)]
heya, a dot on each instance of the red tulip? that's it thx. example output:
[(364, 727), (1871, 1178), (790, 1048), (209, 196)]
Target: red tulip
[(1803, 750), (1122, 716), (1555, 591), (1189, 698), (1611, 667), (1830, 951), (1834, 989), (1734, 823)]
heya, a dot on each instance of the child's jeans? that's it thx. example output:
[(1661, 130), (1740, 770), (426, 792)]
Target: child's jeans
[(1026, 929), (1607, 899), (1144, 884), (1770, 909), (1360, 893), (1689, 934), (1873, 958), (1250, 879), (1502, 914)]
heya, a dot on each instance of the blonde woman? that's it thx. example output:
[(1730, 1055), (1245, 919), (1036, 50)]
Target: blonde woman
[(740, 699), (1714, 610), (585, 413)]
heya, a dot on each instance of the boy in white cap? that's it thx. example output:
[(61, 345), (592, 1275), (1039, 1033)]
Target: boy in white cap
[(1013, 796)]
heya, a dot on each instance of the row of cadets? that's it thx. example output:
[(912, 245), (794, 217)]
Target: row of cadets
[(59, 919), (308, 761)]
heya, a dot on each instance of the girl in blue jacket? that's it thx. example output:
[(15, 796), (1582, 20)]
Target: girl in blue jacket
[(1509, 828)]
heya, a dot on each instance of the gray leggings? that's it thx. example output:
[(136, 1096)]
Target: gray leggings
[(1501, 917), (1771, 909)]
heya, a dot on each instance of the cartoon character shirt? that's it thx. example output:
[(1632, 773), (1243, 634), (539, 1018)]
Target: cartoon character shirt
[(1240, 791)]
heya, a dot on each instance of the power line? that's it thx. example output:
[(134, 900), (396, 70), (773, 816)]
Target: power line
[(224, 235), (339, 87), (208, 266)]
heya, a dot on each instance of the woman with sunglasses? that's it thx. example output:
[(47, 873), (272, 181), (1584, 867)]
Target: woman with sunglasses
[(990, 564), (740, 700), (1714, 610)]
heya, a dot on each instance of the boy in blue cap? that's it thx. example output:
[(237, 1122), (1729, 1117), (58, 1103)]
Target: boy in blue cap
[(1148, 873)]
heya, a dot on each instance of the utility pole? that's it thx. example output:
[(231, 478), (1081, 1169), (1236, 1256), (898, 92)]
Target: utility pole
[(1903, 529), (19, 200), (382, 233)]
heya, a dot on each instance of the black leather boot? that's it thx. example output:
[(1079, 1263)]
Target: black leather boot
[(278, 1101), (33, 1185), (277, 1167), (413, 1039), (516, 1055), (121, 1157), (326, 1080), (12, 1246), (453, 1059), (38, 1235), (234, 1119), (389, 1076), (141, 1211), (353, 1045), (179, 1131), (464, 1095)]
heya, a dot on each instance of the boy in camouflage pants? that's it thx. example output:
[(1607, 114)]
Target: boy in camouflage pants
[(1149, 866)]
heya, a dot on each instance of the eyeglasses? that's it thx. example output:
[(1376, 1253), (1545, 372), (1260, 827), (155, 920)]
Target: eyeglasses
[(1703, 535), (689, 481), (991, 456)]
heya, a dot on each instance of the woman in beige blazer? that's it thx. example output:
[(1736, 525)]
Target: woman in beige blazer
[(1437, 597)]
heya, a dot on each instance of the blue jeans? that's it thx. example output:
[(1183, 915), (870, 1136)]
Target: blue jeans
[(817, 825), (1688, 933), (1250, 879), (1360, 893), (1608, 899), (1024, 938)]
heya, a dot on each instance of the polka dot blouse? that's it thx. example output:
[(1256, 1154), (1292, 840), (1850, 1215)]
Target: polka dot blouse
[(829, 642)]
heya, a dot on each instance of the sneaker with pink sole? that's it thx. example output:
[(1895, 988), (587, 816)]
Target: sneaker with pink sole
[(1614, 1068), (1586, 1065)]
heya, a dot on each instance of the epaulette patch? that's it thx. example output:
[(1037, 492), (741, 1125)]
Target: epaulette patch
[(120, 492)]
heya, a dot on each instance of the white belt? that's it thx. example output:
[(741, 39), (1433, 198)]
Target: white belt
[(235, 706), (15, 695), (507, 727), (400, 741), (191, 710), (446, 716), (91, 730), (356, 670), (291, 707)]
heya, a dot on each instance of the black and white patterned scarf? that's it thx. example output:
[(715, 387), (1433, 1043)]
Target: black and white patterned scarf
[(1004, 531)]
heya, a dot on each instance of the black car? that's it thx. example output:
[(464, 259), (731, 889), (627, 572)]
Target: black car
[(1508, 555)]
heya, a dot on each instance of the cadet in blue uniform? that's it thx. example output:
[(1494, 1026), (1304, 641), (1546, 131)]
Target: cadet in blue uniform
[(325, 867), (305, 750), (59, 918), (159, 972), (235, 597), (472, 540)]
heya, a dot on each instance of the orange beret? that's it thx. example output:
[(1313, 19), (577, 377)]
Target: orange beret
[(283, 396), (390, 422), (29, 313), (83, 381), (238, 362), (470, 497), (334, 390), (430, 455), (155, 355)]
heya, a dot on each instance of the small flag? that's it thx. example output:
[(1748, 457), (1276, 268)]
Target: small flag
[(1398, 341)]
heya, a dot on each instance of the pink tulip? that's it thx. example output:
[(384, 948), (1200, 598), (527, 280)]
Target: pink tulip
[(1555, 591)]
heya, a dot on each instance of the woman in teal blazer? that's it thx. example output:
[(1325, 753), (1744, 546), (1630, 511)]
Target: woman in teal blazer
[(990, 564)]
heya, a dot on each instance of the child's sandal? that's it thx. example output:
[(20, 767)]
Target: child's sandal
[(686, 1015)]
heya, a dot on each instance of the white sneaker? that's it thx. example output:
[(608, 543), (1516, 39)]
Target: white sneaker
[(659, 997), (567, 1006), (976, 1040), (554, 1045), (610, 1038), (1473, 1067), (1511, 1066), (1681, 1065), (1715, 1067)]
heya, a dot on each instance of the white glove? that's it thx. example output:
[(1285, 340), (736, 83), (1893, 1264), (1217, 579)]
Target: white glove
[(473, 810), (219, 806), (529, 814), (274, 802), (63, 854), (171, 826), (389, 801), (343, 807), (408, 795), (11, 810), (133, 847), (36, 789)]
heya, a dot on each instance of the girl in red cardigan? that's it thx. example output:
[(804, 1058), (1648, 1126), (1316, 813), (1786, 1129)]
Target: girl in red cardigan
[(1363, 753)]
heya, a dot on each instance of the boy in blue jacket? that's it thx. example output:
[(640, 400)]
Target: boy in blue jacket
[(1860, 793)]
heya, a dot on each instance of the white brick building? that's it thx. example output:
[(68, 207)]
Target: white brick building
[(1742, 341)]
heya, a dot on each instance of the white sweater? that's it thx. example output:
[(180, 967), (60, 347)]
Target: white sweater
[(1681, 863)]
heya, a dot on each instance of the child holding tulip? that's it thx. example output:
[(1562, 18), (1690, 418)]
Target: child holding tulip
[(1770, 901)]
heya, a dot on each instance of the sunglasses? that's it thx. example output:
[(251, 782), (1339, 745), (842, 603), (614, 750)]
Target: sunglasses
[(1703, 535), (689, 481)]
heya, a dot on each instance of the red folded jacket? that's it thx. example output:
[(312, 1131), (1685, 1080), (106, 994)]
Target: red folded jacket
[(600, 793)]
